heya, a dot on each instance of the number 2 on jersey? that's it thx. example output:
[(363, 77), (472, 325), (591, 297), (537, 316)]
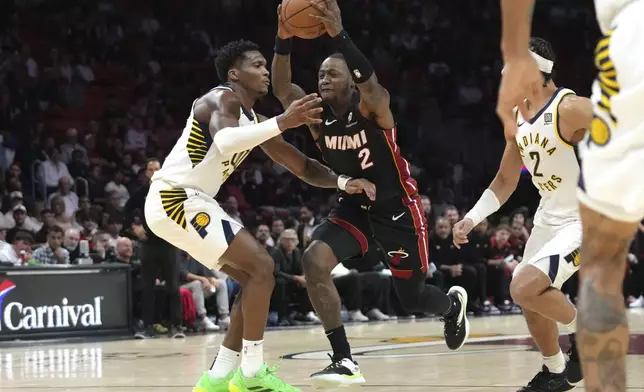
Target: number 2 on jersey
[(364, 155), (537, 158)]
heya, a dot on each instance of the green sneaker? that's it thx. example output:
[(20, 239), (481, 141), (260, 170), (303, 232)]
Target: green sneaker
[(207, 384), (265, 380)]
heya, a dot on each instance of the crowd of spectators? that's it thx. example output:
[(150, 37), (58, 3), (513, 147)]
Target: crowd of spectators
[(90, 90)]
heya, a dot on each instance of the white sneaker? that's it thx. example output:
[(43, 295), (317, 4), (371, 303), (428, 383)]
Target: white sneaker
[(638, 303), (376, 314), (311, 316), (356, 315), (208, 325), (342, 373)]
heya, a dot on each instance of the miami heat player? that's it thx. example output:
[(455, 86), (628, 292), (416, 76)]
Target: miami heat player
[(358, 138)]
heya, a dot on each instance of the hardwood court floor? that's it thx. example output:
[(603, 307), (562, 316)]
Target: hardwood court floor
[(404, 356)]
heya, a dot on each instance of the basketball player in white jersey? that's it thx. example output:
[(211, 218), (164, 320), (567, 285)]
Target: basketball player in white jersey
[(611, 182), (221, 131), (553, 121)]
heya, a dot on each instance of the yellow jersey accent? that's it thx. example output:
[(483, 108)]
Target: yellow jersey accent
[(195, 162), (172, 201)]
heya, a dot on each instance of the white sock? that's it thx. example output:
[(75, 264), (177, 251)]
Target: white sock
[(226, 361), (572, 327), (556, 363), (252, 357)]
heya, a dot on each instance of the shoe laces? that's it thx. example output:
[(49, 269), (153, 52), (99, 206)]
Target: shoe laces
[(335, 363), (537, 379)]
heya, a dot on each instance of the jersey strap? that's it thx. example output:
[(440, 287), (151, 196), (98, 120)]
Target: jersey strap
[(555, 114)]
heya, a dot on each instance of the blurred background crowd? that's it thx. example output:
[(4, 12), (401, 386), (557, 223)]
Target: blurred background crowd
[(90, 91)]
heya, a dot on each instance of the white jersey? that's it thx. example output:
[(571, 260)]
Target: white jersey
[(607, 11), (552, 162), (195, 162)]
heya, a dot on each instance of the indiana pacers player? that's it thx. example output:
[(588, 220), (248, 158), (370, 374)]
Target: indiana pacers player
[(611, 183), (556, 119), (220, 132)]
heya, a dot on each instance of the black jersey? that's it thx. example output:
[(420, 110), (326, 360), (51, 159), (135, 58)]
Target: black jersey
[(357, 147)]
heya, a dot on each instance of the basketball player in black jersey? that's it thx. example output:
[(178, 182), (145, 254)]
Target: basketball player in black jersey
[(358, 137)]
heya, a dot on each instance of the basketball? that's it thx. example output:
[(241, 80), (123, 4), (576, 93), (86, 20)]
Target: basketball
[(296, 15)]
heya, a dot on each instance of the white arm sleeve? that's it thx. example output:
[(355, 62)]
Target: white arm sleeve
[(237, 139), (487, 205)]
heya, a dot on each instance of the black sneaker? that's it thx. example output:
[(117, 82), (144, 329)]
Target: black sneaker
[(146, 333), (176, 332), (545, 381), (457, 328), (340, 373), (573, 370)]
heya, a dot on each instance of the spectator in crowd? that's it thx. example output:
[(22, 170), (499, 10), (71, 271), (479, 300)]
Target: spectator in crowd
[(70, 198), (52, 170), (452, 214), (77, 166), (457, 270), (61, 218), (307, 223), (48, 221), (96, 184), (21, 222), (427, 210), (71, 241), (159, 259), (103, 251), (52, 252), (202, 283), (115, 188), (263, 236), (10, 253), (277, 227), (290, 284), (114, 227), (232, 209), (349, 286), (71, 144), (501, 262), (477, 253)]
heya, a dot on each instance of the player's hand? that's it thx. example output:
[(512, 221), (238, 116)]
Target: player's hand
[(331, 16), (304, 111), (282, 31), (520, 76), (460, 230), (301, 280), (359, 185)]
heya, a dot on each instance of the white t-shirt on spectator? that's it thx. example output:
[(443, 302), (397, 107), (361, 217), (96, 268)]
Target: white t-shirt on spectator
[(51, 174), (120, 190), (8, 254), (6, 221), (31, 224), (70, 199), (32, 68), (136, 139)]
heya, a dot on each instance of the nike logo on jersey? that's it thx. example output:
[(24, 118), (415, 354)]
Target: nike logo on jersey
[(327, 122), (521, 124), (395, 218)]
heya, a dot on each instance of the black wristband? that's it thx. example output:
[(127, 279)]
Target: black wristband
[(360, 67), (283, 46)]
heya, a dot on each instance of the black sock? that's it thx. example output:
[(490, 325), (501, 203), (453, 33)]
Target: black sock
[(339, 342), (454, 308)]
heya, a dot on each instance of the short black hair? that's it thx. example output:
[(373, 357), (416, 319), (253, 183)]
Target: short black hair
[(230, 54), (543, 48), (56, 229), (24, 236)]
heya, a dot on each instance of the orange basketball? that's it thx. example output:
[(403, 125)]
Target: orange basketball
[(296, 15)]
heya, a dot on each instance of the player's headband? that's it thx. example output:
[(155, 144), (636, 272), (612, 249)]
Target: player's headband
[(544, 64)]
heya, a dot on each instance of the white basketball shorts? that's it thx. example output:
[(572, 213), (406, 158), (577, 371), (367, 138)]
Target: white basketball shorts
[(191, 221), (612, 170), (554, 250)]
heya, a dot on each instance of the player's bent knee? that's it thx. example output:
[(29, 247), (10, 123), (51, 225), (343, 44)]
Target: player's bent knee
[(528, 284), (316, 260)]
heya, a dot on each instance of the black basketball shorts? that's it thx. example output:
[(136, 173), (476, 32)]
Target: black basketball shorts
[(399, 228)]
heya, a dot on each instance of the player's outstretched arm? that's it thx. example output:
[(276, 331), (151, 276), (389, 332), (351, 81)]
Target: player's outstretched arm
[(575, 116), (224, 106), (283, 89), (499, 191), (374, 98)]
